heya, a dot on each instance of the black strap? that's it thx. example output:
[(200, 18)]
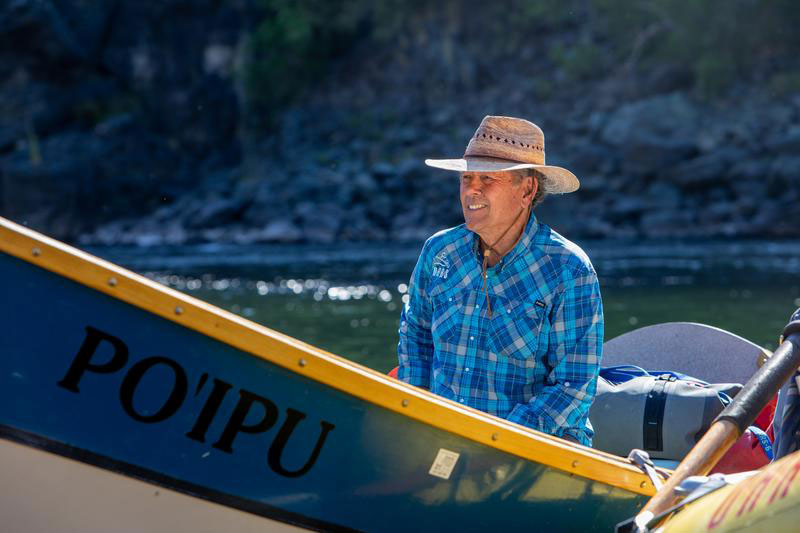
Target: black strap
[(653, 423)]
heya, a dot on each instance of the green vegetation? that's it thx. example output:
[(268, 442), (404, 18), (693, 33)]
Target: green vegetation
[(293, 44), (716, 41), (719, 41), (296, 41)]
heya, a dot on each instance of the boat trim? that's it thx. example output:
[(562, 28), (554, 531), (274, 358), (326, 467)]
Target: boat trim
[(319, 365)]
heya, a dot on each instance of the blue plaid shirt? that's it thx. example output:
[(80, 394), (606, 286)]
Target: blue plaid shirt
[(535, 361)]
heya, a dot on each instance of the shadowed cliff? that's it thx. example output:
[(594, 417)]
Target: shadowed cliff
[(275, 121)]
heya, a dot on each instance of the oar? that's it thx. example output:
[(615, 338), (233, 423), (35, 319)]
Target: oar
[(729, 425)]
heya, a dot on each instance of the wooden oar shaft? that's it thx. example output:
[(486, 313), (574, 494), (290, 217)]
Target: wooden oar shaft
[(726, 430), (714, 444)]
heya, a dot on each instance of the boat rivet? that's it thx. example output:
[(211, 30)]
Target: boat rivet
[(643, 484), (405, 403), (302, 362), (574, 464), (36, 252), (495, 436), (112, 282), (179, 310)]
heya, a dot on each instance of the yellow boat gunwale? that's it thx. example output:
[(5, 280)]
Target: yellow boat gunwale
[(319, 365)]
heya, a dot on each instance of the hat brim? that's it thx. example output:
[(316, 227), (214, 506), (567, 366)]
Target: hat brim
[(559, 180)]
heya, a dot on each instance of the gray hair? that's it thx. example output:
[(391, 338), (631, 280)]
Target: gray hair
[(540, 179)]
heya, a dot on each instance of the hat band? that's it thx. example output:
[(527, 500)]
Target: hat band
[(504, 148)]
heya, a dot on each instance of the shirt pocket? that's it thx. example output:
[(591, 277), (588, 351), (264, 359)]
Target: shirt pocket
[(447, 319), (516, 329)]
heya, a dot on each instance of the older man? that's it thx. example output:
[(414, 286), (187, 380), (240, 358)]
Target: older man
[(504, 314)]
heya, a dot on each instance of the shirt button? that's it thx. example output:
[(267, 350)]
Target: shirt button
[(461, 400), (466, 369), (472, 338), (449, 299), (566, 383), (508, 310)]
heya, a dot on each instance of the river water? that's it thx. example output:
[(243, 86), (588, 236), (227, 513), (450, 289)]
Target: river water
[(346, 299)]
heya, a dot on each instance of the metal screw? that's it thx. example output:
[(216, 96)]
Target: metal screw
[(405, 403), (36, 252), (495, 436), (112, 282), (179, 310), (574, 464), (643, 484), (302, 362)]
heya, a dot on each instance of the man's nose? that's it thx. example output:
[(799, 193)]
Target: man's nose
[(474, 186)]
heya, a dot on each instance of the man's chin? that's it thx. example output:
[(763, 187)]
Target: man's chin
[(472, 225)]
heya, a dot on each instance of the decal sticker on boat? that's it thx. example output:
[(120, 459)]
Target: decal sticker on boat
[(763, 490), (444, 463)]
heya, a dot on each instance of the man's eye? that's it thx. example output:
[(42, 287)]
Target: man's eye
[(487, 179)]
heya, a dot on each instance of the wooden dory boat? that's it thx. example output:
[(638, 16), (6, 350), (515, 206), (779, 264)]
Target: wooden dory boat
[(125, 405)]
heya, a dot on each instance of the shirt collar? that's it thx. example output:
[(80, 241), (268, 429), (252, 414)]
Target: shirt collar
[(524, 243)]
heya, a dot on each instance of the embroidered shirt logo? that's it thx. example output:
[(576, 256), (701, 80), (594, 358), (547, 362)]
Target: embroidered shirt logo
[(441, 265)]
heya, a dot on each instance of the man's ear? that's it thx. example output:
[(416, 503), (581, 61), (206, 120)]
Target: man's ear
[(531, 186)]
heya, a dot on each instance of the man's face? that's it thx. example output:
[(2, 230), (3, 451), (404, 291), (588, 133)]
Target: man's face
[(491, 201)]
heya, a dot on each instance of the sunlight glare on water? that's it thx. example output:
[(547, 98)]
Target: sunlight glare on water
[(360, 321), (347, 300)]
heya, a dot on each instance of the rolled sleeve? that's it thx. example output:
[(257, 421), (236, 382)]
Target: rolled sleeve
[(574, 355)]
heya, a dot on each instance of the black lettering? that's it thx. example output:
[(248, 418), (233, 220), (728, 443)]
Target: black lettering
[(83, 360), (293, 417), (236, 423), (210, 409), (134, 376)]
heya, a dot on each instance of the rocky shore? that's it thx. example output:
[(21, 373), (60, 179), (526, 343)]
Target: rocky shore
[(114, 133)]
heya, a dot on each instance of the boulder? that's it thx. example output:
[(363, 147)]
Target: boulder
[(750, 169), (280, 230), (786, 169), (653, 133), (595, 227), (663, 194), (216, 212), (670, 118), (659, 224), (320, 223), (587, 158), (627, 207), (788, 143), (649, 155), (705, 170)]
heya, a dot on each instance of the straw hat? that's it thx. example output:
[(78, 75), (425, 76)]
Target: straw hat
[(508, 143)]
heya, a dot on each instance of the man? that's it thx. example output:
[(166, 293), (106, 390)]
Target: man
[(504, 314)]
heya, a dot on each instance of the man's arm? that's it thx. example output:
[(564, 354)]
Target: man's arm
[(574, 354), (415, 349)]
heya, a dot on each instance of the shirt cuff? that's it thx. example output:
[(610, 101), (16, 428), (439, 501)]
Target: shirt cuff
[(522, 415)]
